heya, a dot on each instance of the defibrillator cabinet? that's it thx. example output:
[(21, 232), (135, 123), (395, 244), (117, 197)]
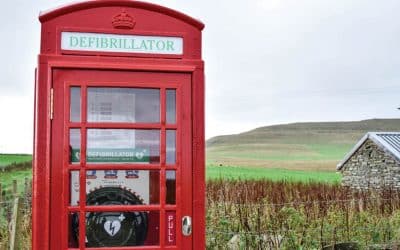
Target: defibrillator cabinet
[(119, 129)]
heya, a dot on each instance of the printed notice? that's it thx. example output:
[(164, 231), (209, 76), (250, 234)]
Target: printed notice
[(111, 105)]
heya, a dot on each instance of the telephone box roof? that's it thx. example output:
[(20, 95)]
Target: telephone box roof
[(388, 141), (65, 9)]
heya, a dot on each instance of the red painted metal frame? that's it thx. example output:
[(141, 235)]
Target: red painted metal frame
[(148, 21), (197, 181), (151, 19), (45, 16), (157, 80)]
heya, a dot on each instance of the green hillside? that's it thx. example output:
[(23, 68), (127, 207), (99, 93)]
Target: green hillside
[(7, 159), (267, 152), (315, 146)]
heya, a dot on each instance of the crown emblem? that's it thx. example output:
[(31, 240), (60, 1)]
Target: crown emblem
[(123, 21)]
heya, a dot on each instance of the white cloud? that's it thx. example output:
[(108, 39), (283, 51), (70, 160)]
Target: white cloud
[(16, 118), (267, 61)]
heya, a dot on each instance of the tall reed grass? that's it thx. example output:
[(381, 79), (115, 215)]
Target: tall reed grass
[(262, 214)]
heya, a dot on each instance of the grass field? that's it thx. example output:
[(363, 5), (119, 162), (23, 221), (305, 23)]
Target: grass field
[(6, 159), (298, 151), (315, 157), (245, 173), (6, 178), (214, 171), (281, 152)]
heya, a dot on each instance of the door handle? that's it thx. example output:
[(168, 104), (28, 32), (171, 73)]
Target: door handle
[(186, 225)]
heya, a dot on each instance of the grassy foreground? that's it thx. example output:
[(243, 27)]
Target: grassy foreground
[(256, 173), (264, 214)]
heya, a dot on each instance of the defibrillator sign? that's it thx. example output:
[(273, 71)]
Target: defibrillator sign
[(82, 41), (115, 155)]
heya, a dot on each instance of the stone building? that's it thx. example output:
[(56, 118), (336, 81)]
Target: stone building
[(374, 162)]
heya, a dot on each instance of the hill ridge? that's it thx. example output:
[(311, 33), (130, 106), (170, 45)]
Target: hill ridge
[(301, 146), (358, 127)]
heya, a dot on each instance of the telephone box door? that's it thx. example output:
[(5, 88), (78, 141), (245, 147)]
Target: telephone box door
[(120, 173)]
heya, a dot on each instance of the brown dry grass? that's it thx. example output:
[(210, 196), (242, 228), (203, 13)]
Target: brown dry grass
[(301, 215), (289, 165)]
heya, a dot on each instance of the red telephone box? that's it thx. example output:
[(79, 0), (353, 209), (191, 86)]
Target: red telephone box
[(119, 129)]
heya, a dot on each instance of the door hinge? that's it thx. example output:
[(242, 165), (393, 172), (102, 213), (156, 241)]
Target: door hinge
[(51, 103)]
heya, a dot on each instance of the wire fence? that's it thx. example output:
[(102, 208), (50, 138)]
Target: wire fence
[(299, 203), (284, 215), (305, 224), (15, 216)]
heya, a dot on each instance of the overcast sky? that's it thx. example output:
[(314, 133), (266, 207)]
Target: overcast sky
[(267, 62)]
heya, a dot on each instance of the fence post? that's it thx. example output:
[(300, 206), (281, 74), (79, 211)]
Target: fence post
[(15, 188), (20, 244), (26, 182), (15, 239), (13, 224)]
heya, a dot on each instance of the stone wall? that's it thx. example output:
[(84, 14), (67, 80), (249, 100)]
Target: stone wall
[(371, 167)]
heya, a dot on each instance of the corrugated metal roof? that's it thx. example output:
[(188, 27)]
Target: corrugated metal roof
[(388, 141), (392, 139)]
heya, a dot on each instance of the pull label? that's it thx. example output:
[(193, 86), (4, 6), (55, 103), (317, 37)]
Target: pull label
[(170, 231)]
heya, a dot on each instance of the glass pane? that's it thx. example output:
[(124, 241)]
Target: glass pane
[(171, 106), (74, 185), (171, 185), (114, 229), (75, 145), (170, 231), (171, 146), (75, 104), (73, 229), (123, 146), (122, 187), (123, 105)]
